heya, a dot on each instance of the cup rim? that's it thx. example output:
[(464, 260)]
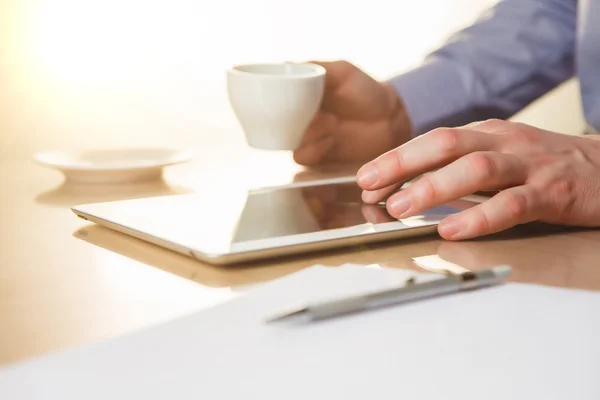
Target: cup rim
[(318, 70)]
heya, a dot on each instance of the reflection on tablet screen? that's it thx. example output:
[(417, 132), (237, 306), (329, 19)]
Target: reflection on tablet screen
[(292, 211)]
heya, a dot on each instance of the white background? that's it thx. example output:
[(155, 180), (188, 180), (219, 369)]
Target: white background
[(123, 72)]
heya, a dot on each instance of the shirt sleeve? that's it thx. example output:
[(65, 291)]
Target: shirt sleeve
[(514, 53)]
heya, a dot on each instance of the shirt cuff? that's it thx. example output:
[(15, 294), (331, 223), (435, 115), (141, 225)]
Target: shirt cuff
[(434, 95)]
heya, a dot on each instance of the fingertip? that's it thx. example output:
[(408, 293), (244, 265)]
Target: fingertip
[(367, 176), (302, 157), (444, 234), (452, 228), (370, 197), (313, 153)]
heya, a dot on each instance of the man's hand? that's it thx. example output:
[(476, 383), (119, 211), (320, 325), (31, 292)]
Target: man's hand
[(360, 118), (541, 175)]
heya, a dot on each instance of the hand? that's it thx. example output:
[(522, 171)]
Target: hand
[(542, 176), (360, 118)]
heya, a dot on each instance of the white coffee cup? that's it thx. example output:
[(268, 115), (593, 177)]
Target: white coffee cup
[(275, 103)]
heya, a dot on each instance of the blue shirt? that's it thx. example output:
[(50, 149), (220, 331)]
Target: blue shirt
[(513, 54)]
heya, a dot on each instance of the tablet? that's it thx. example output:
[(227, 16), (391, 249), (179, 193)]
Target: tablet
[(236, 226)]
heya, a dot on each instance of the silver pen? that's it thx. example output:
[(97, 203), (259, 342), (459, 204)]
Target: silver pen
[(411, 291)]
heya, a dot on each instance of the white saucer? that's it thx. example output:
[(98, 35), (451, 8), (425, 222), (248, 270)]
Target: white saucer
[(112, 165)]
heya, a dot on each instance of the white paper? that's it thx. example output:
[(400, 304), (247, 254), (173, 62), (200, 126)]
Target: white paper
[(510, 342)]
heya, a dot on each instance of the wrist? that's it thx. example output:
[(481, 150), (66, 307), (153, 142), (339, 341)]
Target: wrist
[(399, 120)]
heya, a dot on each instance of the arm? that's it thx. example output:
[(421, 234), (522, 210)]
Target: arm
[(513, 54)]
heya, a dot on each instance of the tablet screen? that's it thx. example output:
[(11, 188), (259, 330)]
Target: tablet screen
[(292, 211)]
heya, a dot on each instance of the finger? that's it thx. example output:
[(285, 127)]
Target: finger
[(316, 141), (431, 150), (489, 126), (321, 125), (465, 176), (350, 91), (376, 215), (517, 205), (337, 73), (314, 152), (376, 196)]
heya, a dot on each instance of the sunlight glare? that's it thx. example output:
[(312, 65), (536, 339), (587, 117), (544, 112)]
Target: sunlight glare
[(90, 41)]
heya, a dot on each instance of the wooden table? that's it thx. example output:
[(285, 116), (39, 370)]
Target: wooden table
[(122, 76), (64, 281)]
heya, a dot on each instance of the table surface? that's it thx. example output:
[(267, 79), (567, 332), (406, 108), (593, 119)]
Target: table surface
[(65, 282)]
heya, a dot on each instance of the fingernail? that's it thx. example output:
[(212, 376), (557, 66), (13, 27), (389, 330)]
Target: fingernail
[(367, 176), (452, 228), (400, 205), (369, 197)]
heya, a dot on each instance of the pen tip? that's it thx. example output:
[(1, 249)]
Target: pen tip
[(286, 315)]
